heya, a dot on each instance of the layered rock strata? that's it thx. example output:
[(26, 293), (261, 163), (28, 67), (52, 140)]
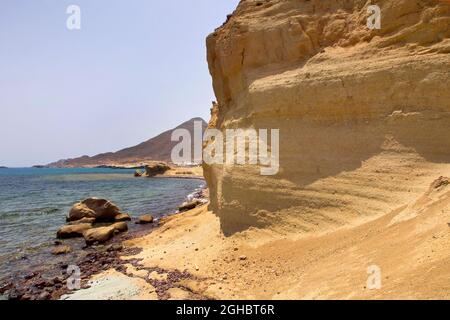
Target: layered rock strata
[(363, 113)]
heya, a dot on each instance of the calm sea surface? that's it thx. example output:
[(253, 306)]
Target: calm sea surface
[(34, 203)]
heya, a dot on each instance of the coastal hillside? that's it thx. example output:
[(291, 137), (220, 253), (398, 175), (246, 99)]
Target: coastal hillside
[(363, 113), (158, 148)]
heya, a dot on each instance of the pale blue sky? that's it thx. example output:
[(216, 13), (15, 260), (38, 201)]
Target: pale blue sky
[(135, 69)]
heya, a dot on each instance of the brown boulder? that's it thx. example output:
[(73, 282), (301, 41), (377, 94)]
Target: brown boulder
[(80, 211), (100, 209), (122, 217), (115, 247), (73, 231), (189, 205), (145, 219), (441, 182), (84, 220), (98, 235), (120, 226), (59, 250)]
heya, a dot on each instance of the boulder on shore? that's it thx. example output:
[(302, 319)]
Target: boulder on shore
[(100, 209), (80, 211), (60, 250), (145, 219), (155, 169), (189, 206), (120, 226), (122, 217), (73, 231), (98, 235), (82, 221)]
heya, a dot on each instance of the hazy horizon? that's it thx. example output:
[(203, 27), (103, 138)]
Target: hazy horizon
[(128, 75)]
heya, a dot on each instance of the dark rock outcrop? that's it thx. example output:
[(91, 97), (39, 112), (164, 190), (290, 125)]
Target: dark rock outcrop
[(156, 169)]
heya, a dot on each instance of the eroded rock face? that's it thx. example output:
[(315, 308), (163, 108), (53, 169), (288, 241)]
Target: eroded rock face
[(358, 109), (155, 169)]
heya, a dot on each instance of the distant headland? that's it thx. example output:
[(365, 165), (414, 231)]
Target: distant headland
[(157, 149)]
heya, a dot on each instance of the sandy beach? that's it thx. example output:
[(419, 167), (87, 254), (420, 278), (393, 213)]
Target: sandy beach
[(408, 244)]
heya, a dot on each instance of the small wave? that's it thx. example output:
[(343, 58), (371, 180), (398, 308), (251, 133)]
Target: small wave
[(86, 177), (49, 210), (11, 215)]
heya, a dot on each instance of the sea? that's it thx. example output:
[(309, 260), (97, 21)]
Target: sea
[(34, 203)]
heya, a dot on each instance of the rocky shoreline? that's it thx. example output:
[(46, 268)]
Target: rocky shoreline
[(103, 250)]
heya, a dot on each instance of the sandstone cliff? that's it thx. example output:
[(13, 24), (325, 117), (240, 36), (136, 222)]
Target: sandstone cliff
[(363, 114)]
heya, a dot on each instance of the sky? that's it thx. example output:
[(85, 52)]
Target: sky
[(135, 69)]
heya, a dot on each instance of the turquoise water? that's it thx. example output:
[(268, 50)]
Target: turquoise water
[(35, 202)]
